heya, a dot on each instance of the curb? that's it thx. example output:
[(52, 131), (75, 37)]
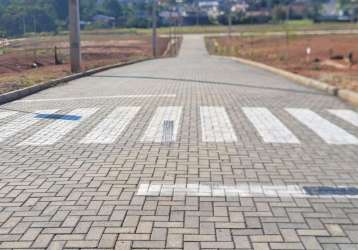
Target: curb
[(291, 76), (344, 94), (17, 94), (349, 96)]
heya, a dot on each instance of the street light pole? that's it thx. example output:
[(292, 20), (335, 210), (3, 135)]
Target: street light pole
[(75, 41), (154, 26)]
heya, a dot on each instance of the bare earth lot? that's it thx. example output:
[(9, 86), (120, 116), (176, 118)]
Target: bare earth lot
[(16, 61), (327, 62)]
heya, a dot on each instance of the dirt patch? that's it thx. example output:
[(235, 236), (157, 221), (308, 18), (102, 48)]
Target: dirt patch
[(27, 62), (323, 57)]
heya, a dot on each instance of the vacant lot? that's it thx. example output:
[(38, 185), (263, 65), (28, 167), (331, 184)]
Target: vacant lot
[(32, 60), (293, 26), (323, 57)]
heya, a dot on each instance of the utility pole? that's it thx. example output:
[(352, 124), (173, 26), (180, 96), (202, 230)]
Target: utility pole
[(230, 22), (170, 30), (154, 26), (75, 42), (197, 12), (229, 9)]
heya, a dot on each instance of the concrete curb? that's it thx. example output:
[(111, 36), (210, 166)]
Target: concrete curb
[(291, 76), (17, 94), (344, 94), (349, 96)]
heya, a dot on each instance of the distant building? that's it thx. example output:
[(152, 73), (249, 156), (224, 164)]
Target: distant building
[(240, 6), (330, 8), (84, 24), (110, 21), (211, 8), (332, 13), (299, 9), (208, 5)]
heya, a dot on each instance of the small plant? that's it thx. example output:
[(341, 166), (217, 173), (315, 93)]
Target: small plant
[(350, 59)]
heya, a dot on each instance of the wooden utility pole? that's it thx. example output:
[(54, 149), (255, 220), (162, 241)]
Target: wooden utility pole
[(229, 9), (230, 23), (154, 24), (197, 13), (75, 41)]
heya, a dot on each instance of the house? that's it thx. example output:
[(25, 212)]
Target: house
[(240, 6), (258, 16), (108, 20), (299, 9), (332, 13), (330, 8), (211, 8)]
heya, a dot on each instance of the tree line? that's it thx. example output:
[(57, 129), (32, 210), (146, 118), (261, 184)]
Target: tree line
[(18, 17)]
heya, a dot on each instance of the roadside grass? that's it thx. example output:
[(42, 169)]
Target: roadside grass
[(292, 25), (295, 25)]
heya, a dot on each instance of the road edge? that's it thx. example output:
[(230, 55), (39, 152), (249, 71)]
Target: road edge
[(291, 76), (344, 94), (21, 93)]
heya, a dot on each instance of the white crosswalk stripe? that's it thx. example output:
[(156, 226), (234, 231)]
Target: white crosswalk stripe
[(329, 132), (12, 128), (246, 190), (347, 115), (217, 190), (164, 125), (58, 129), (112, 126), (6, 114), (216, 125), (270, 128)]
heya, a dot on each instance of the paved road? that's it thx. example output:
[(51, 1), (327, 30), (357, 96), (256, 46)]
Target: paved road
[(193, 152)]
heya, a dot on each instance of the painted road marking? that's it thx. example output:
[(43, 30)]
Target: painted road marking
[(59, 117), (246, 190), (21, 123), (347, 115), (6, 114), (270, 128), (161, 119), (195, 189), (95, 97), (112, 126), (58, 129), (329, 132), (338, 191), (216, 125)]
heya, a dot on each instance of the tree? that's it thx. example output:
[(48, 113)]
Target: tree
[(113, 8), (88, 8)]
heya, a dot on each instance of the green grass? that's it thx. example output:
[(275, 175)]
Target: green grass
[(290, 26), (293, 24)]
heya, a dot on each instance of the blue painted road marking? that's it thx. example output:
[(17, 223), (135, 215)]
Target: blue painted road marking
[(331, 190), (59, 117)]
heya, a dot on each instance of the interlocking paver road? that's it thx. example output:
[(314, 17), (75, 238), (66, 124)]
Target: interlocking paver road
[(193, 152)]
